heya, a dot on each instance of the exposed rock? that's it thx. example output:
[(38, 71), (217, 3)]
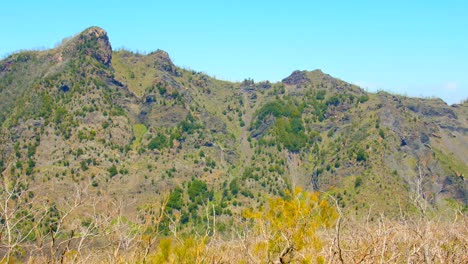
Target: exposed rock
[(114, 82), (430, 111), (164, 62), (6, 65), (424, 138), (264, 126), (92, 42), (170, 82), (264, 85), (297, 77), (452, 128), (247, 88)]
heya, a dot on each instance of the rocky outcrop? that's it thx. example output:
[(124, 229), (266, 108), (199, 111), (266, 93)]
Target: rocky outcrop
[(164, 62), (297, 77), (92, 42), (431, 111), (263, 127)]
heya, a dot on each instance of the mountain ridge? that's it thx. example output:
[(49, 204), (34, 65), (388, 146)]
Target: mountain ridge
[(133, 125)]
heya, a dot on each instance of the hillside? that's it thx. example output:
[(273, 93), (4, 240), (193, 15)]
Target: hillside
[(132, 129)]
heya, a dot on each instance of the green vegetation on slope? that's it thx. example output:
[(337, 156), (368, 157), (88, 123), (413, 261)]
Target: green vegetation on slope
[(137, 129)]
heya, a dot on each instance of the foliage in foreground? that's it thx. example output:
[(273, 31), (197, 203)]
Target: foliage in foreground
[(302, 227)]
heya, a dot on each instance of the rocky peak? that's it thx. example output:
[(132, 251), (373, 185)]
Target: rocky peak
[(164, 62), (297, 77), (162, 55), (92, 42)]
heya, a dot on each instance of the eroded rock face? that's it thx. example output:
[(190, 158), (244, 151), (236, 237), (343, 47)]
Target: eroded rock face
[(92, 42), (103, 53), (263, 127), (297, 77), (431, 111), (6, 65), (164, 62)]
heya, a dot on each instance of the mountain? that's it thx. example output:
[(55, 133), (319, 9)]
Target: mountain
[(71, 113), (135, 127)]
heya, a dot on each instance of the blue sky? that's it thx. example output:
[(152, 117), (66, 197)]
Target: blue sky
[(416, 48)]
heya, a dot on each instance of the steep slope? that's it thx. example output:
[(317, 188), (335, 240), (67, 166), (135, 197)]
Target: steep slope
[(135, 126)]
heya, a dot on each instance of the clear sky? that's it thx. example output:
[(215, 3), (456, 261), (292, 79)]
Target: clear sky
[(416, 48)]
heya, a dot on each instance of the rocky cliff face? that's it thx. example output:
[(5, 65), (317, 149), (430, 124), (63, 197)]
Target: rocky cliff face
[(92, 42)]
